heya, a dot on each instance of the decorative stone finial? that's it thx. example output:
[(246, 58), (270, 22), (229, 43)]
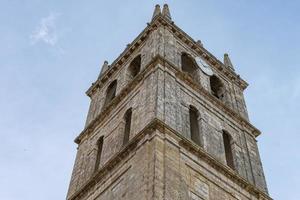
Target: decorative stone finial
[(199, 42), (104, 68), (166, 12), (157, 11), (227, 62)]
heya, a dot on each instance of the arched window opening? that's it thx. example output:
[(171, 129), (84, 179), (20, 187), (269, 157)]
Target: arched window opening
[(99, 152), (127, 119), (188, 65), (110, 92), (135, 66), (217, 87), (228, 150), (194, 126)]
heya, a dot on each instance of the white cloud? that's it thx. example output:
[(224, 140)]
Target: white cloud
[(46, 30)]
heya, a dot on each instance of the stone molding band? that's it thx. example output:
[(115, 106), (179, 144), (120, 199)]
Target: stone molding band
[(160, 20), (183, 142), (179, 74)]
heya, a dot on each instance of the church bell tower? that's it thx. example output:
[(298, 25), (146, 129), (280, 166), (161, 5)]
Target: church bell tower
[(167, 121)]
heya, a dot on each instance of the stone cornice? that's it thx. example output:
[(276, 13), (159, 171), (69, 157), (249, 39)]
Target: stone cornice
[(220, 167), (123, 57), (215, 63), (107, 110), (185, 143), (182, 76), (160, 20), (113, 162), (215, 101)]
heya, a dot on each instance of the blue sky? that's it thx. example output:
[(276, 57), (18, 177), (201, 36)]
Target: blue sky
[(51, 52)]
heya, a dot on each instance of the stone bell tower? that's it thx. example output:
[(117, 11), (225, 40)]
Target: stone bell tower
[(167, 121)]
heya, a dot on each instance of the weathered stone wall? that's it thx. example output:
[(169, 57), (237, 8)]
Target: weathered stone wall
[(132, 178), (173, 48), (147, 51), (161, 168), (178, 96), (188, 177), (142, 101), (128, 180), (161, 95)]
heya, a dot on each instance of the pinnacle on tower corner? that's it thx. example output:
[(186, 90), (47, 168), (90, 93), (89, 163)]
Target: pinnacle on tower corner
[(166, 12), (104, 68), (227, 62), (157, 11)]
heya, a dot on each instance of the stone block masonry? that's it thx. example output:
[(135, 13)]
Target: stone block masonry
[(151, 152)]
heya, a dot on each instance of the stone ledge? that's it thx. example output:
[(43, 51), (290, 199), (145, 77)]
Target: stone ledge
[(216, 63), (157, 124), (180, 34), (123, 57), (182, 76), (107, 110), (116, 159)]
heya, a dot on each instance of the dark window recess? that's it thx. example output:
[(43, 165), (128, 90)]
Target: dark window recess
[(135, 66), (188, 65), (228, 149), (127, 119), (110, 92), (99, 152), (217, 87), (194, 127)]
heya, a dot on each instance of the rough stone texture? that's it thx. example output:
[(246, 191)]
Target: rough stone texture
[(161, 161)]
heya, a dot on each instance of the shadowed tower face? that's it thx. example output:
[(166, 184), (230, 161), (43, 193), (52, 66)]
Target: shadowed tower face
[(167, 120)]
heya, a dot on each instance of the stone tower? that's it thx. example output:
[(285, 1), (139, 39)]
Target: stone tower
[(167, 121)]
